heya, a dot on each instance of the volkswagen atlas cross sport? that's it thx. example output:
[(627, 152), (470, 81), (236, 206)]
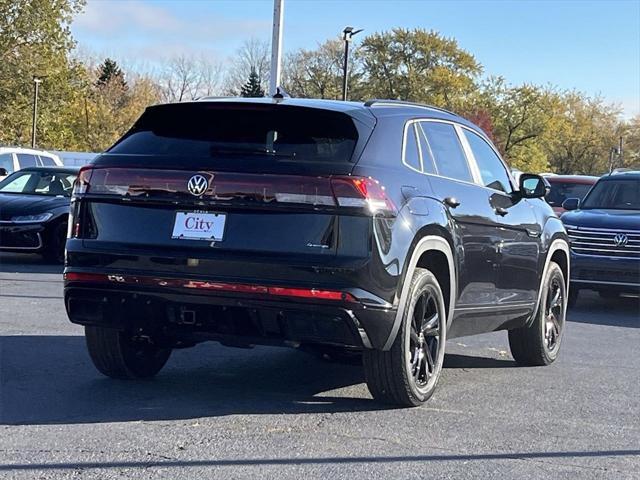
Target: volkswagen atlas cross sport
[(382, 226)]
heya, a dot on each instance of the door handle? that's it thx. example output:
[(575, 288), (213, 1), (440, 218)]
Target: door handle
[(501, 211), (452, 202)]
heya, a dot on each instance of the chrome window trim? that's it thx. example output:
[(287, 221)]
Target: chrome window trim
[(404, 147), (471, 162)]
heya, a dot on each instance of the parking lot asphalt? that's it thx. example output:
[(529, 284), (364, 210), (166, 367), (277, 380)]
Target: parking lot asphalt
[(217, 412)]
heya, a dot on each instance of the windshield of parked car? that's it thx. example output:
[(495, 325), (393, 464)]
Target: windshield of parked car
[(618, 194), (560, 191), (39, 183), (273, 133)]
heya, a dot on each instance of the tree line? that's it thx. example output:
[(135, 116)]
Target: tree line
[(85, 104)]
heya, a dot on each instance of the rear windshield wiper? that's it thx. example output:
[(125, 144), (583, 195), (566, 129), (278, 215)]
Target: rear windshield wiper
[(250, 151)]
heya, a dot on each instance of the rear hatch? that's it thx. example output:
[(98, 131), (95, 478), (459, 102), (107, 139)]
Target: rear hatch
[(236, 184)]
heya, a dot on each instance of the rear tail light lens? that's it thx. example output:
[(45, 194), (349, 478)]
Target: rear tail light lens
[(361, 192), (334, 295), (338, 191)]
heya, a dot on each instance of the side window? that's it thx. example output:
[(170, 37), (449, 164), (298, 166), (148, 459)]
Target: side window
[(492, 170), (47, 161), (6, 162), (447, 151), (411, 154), (26, 160)]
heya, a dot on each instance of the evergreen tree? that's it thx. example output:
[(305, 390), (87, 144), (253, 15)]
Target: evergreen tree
[(109, 73), (252, 88)]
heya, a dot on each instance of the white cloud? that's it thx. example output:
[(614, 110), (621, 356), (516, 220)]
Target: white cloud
[(111, 16)]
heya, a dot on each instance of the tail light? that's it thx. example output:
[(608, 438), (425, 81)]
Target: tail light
[(308, 293), (359, 193)]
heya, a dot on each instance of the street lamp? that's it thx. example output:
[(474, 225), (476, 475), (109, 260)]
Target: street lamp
[(36, 82), (347, 34)]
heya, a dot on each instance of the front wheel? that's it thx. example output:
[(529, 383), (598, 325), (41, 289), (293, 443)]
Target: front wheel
[(117, 354), (539, 343), (407, 374)]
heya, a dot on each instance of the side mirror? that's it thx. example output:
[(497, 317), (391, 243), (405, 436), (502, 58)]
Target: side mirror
[(571, 204), (3, 172), (532, 186)]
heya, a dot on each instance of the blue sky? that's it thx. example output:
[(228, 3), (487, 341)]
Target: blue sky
[(593, 46)]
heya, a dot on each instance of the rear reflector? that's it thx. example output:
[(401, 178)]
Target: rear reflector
[(333, 295), (334, 191)]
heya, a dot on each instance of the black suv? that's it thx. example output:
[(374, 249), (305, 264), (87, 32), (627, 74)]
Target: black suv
[(382, 227), (604, 230)]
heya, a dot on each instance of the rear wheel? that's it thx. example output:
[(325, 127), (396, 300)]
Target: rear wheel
[(117, 354), (539, 343), (407, 374)]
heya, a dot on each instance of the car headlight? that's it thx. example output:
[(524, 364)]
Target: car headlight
[(39, 218)]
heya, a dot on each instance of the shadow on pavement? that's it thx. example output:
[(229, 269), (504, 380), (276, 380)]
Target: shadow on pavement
[(619, 312), (50, 380), (321, 460), (26, 263)]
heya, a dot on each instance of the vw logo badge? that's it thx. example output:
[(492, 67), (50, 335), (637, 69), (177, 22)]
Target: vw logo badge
[(197, 185), (620, 240)]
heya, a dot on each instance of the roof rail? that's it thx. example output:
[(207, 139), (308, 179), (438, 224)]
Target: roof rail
[(381, 102)]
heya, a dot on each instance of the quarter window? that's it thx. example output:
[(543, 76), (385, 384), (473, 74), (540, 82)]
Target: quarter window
[(411, 152), (47, 161), (447, 151), (492, 171)]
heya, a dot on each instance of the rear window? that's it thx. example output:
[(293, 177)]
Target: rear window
[(560, 191), (273, 133)]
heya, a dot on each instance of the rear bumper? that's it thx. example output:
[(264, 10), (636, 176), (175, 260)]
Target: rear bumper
[(605, 273), (21, 237), (238, 318)]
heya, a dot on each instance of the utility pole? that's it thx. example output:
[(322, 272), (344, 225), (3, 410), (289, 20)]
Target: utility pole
[(347, 34), (621, 151), (276, 47), (36, 82)]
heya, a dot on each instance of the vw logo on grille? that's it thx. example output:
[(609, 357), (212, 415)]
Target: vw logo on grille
[(620, 240), (197, 185)]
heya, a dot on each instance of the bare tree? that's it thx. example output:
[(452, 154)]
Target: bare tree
[(253, 55), (187, 78), (211, 73)]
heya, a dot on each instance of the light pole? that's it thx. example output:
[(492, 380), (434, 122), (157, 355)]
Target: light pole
[(36, 82), (276, 46), (347, 34)]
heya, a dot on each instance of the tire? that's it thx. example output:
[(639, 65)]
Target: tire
[(407, 374), (116, 355), (56, 239), (539, 343)]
